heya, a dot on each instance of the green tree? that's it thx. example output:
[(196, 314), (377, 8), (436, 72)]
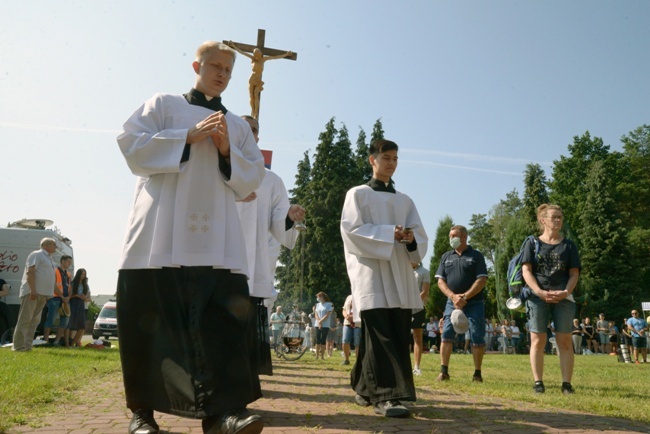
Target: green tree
[(568, 186), (436, 303), (608, 282), (332, 176), (363, 169), (535, 194), (505, 219), (288, 273), (377, 132), (481, 237), (633, 194)]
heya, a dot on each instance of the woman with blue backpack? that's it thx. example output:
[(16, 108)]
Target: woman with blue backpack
[(552, 275)]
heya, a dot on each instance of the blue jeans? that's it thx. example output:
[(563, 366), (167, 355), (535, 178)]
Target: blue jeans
[(351, 335), (540, 313), (53, 305), (475, 312)]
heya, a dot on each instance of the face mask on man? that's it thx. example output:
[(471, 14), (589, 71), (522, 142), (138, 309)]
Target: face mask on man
[(454, 242)]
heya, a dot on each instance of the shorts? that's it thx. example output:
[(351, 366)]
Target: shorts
[(603, 338), (475, 312), (53, 305), (350, 334), (321, 335), (418, 320), (639, 342), (539, 313), (613, 339)]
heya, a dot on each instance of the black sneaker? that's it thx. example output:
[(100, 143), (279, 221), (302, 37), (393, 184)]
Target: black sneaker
[(567, 389), (143, 422), (391, 408), (361, 400), (539, 387)]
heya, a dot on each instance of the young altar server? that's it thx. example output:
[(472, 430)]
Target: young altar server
[(382, 235), (183, 302)]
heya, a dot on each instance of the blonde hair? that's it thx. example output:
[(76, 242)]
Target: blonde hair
[(542, 212), (208, 46)]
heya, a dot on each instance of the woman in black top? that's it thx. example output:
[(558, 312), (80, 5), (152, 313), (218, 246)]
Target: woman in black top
[(592, 343), (552, 274)]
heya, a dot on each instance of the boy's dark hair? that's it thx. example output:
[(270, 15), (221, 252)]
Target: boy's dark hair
[(382, 145), (65, 257)]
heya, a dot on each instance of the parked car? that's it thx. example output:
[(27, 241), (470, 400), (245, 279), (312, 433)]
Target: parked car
[(106, 323)]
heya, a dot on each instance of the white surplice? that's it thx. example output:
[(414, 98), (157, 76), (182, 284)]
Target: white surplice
[(184, 214), (263, 221), (379, 268)]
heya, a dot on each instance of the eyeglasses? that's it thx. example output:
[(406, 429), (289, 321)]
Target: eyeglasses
[(635, 313)]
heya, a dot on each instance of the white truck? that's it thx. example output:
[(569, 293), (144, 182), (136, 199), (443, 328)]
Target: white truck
[(17, 241)]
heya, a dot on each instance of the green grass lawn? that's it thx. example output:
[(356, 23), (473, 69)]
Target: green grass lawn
[(35, 384)]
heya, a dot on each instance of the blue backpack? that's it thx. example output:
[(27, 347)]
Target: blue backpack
[(516, 286)]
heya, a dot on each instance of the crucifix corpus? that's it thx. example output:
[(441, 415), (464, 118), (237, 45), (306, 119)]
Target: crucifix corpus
[(258, 55)]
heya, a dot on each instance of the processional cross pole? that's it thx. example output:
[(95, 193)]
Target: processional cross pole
[(258, 55)]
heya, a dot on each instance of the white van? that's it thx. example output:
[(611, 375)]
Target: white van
[(106, 323), (17, 241)]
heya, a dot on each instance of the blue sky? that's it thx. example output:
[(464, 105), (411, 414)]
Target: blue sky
[(471, 91)]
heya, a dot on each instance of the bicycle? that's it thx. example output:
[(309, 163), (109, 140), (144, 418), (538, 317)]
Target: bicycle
[(291, 342)]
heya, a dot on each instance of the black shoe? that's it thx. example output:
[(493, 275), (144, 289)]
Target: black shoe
[(391, 408), (361, 400), (567, 389), (234, 422), (143, 422), (539, 387)]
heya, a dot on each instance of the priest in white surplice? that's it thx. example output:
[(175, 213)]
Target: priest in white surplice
[(267, 219), (183, 302), (382, 235)]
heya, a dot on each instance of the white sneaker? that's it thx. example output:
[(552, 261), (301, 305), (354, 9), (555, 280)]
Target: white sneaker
[(417, 372)]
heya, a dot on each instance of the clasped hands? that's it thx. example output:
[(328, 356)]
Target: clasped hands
[(553, 297), (214, 126), (404, 235)]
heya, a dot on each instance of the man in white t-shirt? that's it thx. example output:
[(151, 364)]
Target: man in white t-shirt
[(37, 287)]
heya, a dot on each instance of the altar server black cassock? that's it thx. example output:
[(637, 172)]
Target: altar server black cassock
[(182, 293), (383, 288)]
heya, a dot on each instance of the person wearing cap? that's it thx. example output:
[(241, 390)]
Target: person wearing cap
[(462, 275), (552, 275), (382, 235)]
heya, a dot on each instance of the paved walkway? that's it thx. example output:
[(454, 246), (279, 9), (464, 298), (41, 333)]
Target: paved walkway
[(294, 403)]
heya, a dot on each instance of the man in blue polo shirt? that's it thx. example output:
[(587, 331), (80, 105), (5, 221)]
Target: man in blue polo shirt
[(461, 277)]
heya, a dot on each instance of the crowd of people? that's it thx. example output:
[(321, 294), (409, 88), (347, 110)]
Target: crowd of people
[(47, 286), (190, 272), (201, 245)]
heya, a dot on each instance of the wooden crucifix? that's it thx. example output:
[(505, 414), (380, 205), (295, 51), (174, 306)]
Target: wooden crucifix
[(258, 55)]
